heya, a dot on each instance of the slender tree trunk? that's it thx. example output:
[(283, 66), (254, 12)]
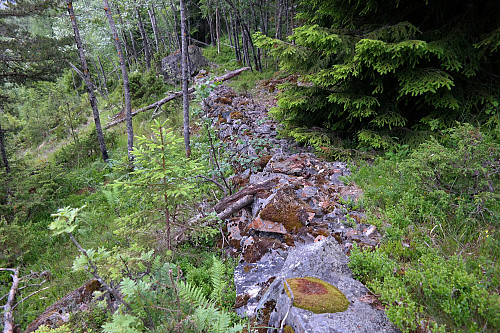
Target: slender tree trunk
[(98, 74), (278, 19), (227, 18), (125, 39), (237, 50), (74, 84), (8, 318), (171, 28), (3, 151), (176, 23), (152, 18), (185, 94), (144, 38), (105, 79), (126, 86), (73, 134), (217, 28), (88, 82)]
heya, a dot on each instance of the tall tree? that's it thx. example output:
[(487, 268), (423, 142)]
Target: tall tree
[(25, 56), (144, 37), (380, 70), (126, 84), (88, 81), (184, 64)]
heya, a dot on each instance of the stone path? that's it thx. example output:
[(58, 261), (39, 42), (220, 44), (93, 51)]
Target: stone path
[(303, 225)]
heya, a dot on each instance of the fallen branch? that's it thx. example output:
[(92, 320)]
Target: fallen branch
[(8, 317), (174, 95), (249, 190), (235, 206)]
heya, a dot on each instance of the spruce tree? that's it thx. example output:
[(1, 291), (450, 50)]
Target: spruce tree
[(382, 69)]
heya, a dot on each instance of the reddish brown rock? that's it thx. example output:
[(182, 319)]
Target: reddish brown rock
[(267, 226), (254, 248)]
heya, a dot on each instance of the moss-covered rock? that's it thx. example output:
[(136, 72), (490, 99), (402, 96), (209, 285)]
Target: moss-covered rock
[(316, 295), (286, 208)]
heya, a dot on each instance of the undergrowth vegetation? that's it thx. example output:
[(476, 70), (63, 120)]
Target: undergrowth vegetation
[(438, 206)]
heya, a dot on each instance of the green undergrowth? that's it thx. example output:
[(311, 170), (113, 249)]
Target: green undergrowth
[(438, 208)]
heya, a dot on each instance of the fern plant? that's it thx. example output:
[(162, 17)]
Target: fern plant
[(207, 314)]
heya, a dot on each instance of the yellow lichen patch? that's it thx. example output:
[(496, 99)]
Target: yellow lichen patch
[(316, 295), (288, 329)]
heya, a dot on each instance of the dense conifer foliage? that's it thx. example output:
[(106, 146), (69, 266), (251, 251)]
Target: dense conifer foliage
[(382, 68), (25, 54)]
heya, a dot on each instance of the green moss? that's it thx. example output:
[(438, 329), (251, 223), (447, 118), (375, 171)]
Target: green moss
[(289, 329), (316, 295)]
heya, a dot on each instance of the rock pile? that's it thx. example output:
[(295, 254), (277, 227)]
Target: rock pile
[(300, 220)]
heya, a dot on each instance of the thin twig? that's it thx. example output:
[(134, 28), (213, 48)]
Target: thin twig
[(33, 293)]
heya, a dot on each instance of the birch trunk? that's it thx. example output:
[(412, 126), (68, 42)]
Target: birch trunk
[(126, 86), (184, 63), (88, 82)]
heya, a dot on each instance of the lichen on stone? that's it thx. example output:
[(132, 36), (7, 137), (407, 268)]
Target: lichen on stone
[(316, 295)]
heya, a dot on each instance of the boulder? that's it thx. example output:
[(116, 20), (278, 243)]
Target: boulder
[(171, 65), (328, 265)]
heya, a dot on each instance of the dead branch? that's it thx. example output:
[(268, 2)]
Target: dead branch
[(174, 95), (235, 206), (8, 317), (32, 294), (249, 190)]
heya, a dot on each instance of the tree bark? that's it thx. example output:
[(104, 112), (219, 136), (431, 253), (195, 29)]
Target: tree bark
[(240, 199), (184, 64), (105, 79), (217, 28), (126, 86), (144, 38), (88, 82)]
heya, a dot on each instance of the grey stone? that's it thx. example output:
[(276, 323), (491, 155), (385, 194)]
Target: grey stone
[(171, 65), (324, 260)]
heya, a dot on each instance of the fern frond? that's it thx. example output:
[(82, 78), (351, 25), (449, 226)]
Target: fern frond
[(217, 278), (192, 294)]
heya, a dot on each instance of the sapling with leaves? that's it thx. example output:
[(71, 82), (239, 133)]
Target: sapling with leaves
[(163, 177), (65, 222)]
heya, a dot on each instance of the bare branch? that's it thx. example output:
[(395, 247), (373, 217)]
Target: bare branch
[(118, 119), (33, 293)]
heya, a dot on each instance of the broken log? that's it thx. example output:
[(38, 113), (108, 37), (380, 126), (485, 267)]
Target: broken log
[(174, 95), (233, 203), (235, 206), (8, 317)]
